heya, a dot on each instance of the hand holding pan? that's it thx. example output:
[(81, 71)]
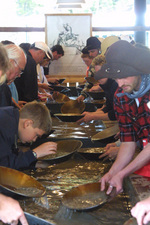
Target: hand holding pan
[(85, 197)]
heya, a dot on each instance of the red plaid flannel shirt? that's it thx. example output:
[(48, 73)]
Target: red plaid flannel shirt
[(134, 122)]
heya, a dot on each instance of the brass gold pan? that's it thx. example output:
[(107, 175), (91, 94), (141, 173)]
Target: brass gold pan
[(60, 98), (73, 107), (70, 117), (85, 197), (65, 148), (20, 183), (108, 132), (91, 80)]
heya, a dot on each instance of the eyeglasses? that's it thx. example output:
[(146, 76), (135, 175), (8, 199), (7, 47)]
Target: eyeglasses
[(21, 71)]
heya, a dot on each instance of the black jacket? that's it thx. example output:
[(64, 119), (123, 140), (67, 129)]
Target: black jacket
[(109, 88), (27, 85)]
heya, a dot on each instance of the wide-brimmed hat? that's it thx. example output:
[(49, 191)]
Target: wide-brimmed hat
[(93, 43), (124, 60)]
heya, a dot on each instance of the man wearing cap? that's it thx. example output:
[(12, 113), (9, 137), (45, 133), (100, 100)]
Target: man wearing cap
[(129, 66), (93, 46), (27, 85)]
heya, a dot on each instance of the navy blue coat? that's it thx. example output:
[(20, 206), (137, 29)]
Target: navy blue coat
[(10, 156)]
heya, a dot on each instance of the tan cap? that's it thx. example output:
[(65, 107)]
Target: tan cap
[(41, 45)]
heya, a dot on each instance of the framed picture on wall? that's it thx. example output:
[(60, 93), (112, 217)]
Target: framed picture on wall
[(71, 31)]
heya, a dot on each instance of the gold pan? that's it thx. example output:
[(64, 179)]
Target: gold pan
[(97, 95), (73, 106), (20, 183), (60, 98), (91, 80), (84, 197), (68, 117), (65, 148), (108, 132)]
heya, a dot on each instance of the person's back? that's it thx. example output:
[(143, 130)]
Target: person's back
[(26, 85)]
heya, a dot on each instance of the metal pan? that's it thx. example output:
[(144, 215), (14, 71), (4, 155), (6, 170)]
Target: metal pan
[(106, 134), (97, 95), (20, 183), (60, 81), (85, 197), (91, 80), (91, 153), (65, 149), (68, 117), (73, 107), (34, 220), (60, 98)]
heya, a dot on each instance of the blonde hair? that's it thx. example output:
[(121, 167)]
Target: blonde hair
[(98, 60), (39, 114), (4, 63)]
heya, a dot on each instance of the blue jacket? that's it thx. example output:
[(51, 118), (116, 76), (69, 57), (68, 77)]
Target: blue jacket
[(10, 156)]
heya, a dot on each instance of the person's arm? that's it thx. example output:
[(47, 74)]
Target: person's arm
[(88, 116), (125, 155), (140, 160), (10, 211)]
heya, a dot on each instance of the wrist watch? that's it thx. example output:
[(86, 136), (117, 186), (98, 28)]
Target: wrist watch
[(35, 154)]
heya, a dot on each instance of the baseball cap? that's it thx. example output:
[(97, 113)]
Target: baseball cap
[(41, 45)]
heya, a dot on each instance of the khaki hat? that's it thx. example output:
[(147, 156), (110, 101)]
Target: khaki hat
[(41, 45), (107, 42)]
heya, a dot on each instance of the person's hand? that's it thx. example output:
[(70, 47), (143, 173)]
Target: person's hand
[(46, 149), (141, 211), (110, 154), (21, 103), (104, 180), (115, 182), (87, 117), (80, 98), (11, 212), (49, 96), (117, 136), (53, 80)]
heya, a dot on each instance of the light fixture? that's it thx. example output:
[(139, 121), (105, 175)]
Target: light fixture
[(69, 6), (70, 1)]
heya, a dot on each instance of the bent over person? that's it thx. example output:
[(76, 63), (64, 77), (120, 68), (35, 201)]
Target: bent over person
[(31, 122), (10, 209), (130, 67)]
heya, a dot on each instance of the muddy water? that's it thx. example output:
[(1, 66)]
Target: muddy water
[(60, 178)]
